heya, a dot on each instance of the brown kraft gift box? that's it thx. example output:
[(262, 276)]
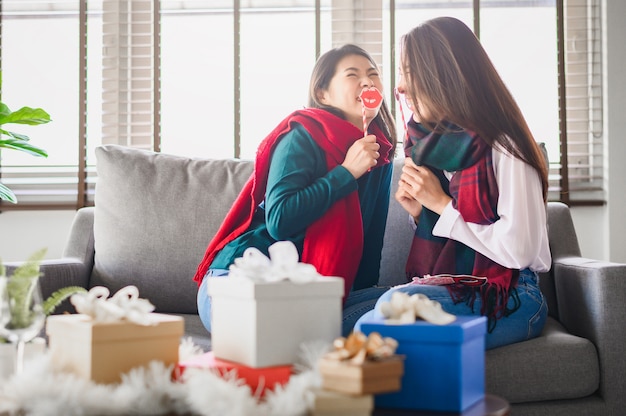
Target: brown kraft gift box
[(102, 352), (371, 377)]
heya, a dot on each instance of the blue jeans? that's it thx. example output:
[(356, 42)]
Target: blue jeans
[(525, 323), (204, 301), (357, 303)]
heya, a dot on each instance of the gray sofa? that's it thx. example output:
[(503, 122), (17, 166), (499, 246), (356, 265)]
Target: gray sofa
[(155, 213)]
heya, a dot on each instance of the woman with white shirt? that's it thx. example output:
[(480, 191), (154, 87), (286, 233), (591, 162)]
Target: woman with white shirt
[(474, 183)]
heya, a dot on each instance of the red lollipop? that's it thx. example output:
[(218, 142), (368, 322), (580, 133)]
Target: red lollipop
[(371, 100)]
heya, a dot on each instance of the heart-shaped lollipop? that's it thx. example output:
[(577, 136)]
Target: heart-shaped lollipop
[(371, 100)]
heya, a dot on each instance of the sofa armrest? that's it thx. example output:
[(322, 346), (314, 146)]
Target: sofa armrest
[(57, 274), (590, 298), (74, 268), (80, 243)]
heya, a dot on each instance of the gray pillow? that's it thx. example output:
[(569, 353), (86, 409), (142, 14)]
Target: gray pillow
[(154, 216)]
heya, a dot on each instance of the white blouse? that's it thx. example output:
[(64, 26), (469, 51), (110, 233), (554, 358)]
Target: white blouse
[(519, 239)]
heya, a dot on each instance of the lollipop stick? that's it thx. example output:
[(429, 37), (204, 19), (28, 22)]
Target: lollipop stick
[(364, 120), (399, 99), (365, 125)]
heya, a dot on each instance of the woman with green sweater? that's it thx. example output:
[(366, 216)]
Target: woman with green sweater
[(321, 183)]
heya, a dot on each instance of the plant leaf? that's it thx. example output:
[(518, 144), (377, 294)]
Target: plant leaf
[(25, 115), (20, 288), (20, 142), (7, 194), (4, 110), (59, 296), (31, 266), (14, 135)]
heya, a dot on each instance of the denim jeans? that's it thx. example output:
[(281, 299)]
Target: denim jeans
[(357, 303), (204, 300), (525, 323)]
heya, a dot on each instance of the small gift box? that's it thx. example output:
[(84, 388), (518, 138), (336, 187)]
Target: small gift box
[(266, 309), (102, 346), (260, 380), (444, 364), (330, 403), (371, 377), (362, 365)]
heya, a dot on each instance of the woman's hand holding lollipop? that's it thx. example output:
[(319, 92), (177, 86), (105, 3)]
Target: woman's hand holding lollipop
[(363, 154)]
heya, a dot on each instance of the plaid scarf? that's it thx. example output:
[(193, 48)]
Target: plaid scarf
[(333, 243), (474, 194)]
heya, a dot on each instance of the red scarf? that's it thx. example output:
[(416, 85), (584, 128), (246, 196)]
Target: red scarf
[(474, 193), (333, 243)]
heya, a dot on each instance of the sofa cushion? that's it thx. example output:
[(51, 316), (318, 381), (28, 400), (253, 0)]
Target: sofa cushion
[(398, 236), (556, 365), (154, 216)]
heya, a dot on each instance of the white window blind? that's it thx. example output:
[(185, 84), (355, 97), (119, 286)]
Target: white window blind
[(39, 62), (359, 22), (578, 177), (130, 68)]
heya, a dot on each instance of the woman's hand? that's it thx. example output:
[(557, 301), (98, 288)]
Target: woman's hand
[(420, 184), (410, 204), (362, 156)]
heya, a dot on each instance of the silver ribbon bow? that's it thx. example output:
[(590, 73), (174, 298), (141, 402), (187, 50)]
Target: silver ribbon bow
[(124, 305), (282, 264), (405, 309)]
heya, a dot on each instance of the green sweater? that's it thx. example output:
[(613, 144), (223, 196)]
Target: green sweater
[(300, 190)]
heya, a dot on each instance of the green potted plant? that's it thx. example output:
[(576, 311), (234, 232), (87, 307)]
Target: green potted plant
[(16, 141)]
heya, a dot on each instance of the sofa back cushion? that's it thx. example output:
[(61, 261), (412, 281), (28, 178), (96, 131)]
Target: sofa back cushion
[(398, 236), (154, 216)]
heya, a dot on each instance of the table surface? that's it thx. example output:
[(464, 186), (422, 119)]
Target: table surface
[(491, 405)]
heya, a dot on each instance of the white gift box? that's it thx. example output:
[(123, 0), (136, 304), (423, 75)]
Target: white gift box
[(262, 324)]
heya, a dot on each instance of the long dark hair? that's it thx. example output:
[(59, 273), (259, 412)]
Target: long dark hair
[(452, 78), (323, 72)]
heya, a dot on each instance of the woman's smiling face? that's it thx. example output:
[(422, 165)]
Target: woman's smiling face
[(352, 74)]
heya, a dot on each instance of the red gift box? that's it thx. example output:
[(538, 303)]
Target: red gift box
[(260, 379)]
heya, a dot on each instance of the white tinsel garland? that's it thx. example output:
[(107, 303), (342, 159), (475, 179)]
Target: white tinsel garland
[(150, 390)]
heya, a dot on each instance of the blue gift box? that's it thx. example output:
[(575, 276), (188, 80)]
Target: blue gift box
[(444, 368)]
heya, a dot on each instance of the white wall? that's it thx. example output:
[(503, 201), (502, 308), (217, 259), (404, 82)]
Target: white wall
[(615, 122), (601, 230), (24, 232)]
